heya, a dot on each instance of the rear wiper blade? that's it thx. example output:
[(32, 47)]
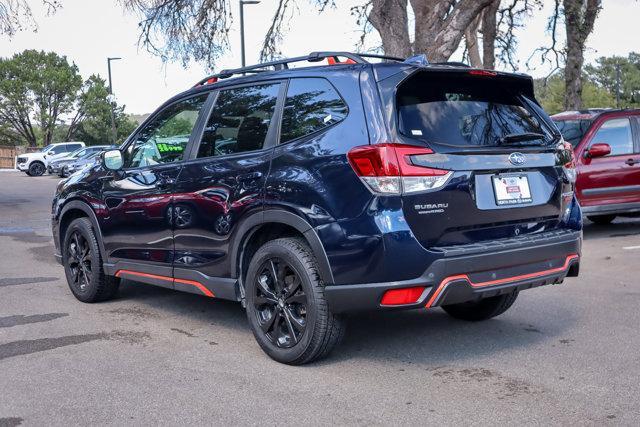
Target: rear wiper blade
[(520, 137)]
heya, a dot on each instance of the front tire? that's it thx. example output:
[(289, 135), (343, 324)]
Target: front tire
[(483, 309), (286, 306), (83, 264), (36, 169), (602, 219)]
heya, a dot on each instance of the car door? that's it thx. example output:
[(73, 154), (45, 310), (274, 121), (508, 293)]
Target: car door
[(137, 229), (222, 184), (614, 178)]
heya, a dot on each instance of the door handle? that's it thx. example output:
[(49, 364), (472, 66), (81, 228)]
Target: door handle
[(250, 176), (632, 162)]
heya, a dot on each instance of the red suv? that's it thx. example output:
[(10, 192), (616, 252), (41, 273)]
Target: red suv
[(607, 149)]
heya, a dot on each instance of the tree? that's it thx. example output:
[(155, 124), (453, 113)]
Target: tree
[(605, 74), (198, 30), (92, 120), (496, 25), (579, 17), (16, 15), (37, 88), (551, 93)]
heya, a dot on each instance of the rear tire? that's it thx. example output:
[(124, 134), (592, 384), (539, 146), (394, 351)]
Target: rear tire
[(83, 264), (289, 316), (36, 169), (484, 309), (602, 219)]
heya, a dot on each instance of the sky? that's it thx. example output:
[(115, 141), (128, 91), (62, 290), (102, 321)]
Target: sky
[(89, 31)]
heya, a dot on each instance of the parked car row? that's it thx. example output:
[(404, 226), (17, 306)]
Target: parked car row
[(75, 161), (61, 158)]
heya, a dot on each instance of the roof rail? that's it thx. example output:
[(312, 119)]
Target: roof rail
[(283, 64)]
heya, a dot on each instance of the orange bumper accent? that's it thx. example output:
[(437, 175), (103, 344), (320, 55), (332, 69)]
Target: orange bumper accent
[(198, 285), (448, 280)]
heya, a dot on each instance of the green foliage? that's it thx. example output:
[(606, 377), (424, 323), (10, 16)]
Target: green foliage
[(550, 94), (92, 123), (37, 87), (604, 74)]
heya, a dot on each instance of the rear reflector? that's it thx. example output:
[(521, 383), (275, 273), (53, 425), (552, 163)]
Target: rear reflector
[(388, 169), (402, 296)]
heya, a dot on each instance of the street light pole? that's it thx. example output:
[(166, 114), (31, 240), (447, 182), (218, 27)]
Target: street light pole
[(242, 3), (114, 132)]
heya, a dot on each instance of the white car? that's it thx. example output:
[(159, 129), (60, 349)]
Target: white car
[(35, 164)]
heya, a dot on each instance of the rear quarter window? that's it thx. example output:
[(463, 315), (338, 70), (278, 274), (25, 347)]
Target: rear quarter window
[(312, 104)]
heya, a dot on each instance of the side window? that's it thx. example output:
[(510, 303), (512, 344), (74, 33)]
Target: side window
[(616, 133), (239, 121), (165, 138), (73, 147), (312, 104), (62, 148)]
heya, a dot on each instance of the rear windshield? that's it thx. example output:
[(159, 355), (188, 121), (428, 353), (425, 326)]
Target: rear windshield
[(465, 110), (573, 130)]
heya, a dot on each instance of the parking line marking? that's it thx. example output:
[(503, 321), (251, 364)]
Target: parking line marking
[(630, 247)]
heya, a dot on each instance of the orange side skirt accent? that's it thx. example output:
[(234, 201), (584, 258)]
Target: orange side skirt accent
[(448, 280), (198, 285)]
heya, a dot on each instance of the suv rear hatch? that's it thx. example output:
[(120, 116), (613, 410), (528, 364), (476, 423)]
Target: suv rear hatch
[(508, 173)]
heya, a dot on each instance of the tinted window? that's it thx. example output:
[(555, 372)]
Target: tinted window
[(79, 153), (312, 104), (165, 138), (463, 110), (59, 149), (616, 133), (573, 130), (72, 147), (239, 121)]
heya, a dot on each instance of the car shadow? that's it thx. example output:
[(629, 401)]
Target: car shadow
[(196, 308), (430, 337), (620, 227)]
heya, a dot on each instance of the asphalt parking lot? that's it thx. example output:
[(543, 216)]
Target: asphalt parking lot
[(566, 354)]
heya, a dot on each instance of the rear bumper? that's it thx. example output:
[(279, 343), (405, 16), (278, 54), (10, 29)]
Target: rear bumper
[(470, 272)]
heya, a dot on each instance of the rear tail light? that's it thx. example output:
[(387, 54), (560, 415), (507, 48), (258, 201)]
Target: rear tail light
[(388, 169), (569, 166), (402, 296)]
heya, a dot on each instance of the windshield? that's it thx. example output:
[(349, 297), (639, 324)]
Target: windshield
[(573, 130), (47, 148), (464, 111), (79, 152)]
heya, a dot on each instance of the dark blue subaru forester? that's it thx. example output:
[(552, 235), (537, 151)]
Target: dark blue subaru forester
[(359, 182)]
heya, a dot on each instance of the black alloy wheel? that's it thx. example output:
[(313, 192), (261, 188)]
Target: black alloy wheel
[(280, 303), (79, 261), (83, 265), (36, 169), (286, 305)]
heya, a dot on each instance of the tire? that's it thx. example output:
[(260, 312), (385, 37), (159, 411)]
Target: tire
[(484, 309), (602, 219), (83, 264), (36, 169), (294, 329)]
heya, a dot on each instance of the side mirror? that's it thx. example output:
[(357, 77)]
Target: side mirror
[(598, 150), (112, 160), (50, 153)]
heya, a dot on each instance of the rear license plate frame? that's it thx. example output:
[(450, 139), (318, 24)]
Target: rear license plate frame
[(506, 186)]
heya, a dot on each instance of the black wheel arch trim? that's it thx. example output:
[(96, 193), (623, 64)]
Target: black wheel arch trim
[(251, 224), (77, 204)]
